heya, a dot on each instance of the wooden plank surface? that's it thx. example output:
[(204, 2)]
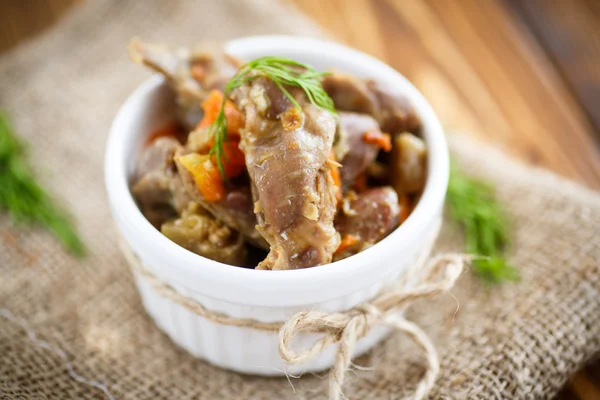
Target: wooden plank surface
[(22, 19), (523, 75), (569, 32)]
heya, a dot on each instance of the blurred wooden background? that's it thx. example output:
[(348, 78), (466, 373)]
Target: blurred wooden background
[(522, 74)]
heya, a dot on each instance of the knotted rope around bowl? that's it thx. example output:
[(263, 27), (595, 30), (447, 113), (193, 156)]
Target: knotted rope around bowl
[(425, 278)]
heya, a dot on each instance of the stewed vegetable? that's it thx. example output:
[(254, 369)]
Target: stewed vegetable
[(275, 165)]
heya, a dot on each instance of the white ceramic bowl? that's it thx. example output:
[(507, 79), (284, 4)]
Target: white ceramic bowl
[(265, 295)]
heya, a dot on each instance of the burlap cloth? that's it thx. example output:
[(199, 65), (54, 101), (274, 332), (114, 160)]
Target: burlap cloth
[(514, 341)]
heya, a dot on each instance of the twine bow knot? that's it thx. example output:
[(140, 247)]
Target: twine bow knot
[(336, 327), (438, 275)]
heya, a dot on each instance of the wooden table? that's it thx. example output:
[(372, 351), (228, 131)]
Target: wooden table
[(522, 74)]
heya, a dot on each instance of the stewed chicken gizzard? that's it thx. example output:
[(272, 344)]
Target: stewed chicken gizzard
[(272, 165)]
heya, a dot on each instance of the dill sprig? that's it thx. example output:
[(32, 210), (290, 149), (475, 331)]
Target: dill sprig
[(283, 72), (24, 199), (472, 205)]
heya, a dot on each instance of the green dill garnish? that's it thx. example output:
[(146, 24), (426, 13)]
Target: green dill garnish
[(473, 206), (283, 72), (24, 199)]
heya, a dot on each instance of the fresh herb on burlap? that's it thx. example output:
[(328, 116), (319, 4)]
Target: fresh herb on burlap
[(472, 204), (25, 200)]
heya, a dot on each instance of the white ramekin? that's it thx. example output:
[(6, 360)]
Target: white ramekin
[(265, 295)]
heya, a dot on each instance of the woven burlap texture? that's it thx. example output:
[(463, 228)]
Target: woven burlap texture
[(514, 341)]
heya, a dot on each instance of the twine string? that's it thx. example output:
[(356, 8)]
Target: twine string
[(429, 278)]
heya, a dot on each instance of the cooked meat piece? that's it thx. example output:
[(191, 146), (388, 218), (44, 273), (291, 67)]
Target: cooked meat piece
[(157, 155), (351, 94), (365, 219), (201, 233), (286, 155), (191, 73), (235, 210), (408, 164), (152, 189), (158, 214), (181, 197), (393, 113), (158, 188), (351, 149), (396, 115)]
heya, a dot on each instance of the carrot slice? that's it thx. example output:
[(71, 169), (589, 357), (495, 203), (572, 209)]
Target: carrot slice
[(234, 161), (405, 207), (347, 241), (380, 139), (170, 130), (205, 174), (212, 106)]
